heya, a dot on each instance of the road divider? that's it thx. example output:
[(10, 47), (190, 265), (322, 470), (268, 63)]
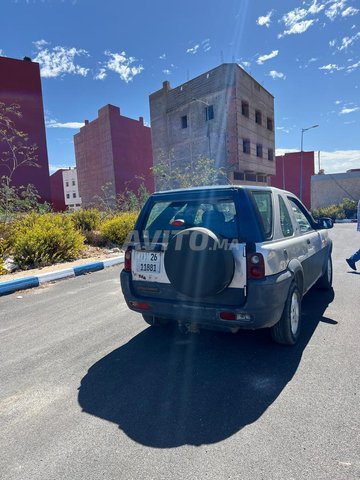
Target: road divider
[(34, 281)]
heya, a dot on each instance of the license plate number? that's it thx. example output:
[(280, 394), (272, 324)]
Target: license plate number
[(147, 262)]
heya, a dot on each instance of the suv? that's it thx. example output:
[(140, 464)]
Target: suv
[(226, 257)]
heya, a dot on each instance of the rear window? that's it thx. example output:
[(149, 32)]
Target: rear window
[(219, 215)]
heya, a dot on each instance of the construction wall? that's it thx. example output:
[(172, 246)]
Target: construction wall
[(331, 189)]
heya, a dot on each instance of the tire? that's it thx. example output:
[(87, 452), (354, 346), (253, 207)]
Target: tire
[(325, 281), (155, 321), (287, 330), (198, 263)]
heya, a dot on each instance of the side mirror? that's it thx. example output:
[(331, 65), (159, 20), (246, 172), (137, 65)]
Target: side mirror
[(325, 222)]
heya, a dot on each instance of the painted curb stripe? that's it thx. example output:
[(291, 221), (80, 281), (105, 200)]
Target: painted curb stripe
[(22, 284), (30, 282), (49, 277), (90, 267)]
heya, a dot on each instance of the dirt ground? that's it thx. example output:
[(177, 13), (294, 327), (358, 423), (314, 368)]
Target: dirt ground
[(89, 255)]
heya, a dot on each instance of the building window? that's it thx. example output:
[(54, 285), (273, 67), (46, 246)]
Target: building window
[(209, 112), (259, 150), (262, 178), (73, 183), (68, 195), (238, 176), (77, 205), (271, 154), (250, 177), (246, 145), (74, 195), (184, 121), (66, 184), (245, 109), (258, 117), (270, 124)]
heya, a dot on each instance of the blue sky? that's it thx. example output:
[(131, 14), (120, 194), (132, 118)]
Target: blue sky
[(91, 52)]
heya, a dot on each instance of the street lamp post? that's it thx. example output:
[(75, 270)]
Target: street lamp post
[(302, 158)]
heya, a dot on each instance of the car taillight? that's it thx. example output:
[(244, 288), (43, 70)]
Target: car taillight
[(127, 261), (255, 266)]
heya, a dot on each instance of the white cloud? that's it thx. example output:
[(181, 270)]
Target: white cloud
[(284, 130), (122, 65), (166, 71), (346, 111), (353, 67), (101, 75), (298, 28), (206, 45), (265, 58), (349, 12), (335, 9), (294, 16), (56, 124), (193, 49), (60, 61), (265, 20), (348, 41), (163, 56), (337, 102), (39, 44), (331, 67), (332, 43), (315, 8), (274, 74), (2, 54)]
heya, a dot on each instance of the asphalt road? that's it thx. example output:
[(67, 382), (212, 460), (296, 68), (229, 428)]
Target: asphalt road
[(87, 390)]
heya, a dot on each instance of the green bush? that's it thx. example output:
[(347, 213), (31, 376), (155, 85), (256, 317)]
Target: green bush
[(86, 220), (39, 240), (116, 229)]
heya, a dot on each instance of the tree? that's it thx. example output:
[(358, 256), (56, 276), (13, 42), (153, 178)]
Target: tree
[(15, 152), (200, 172), (18, 151)]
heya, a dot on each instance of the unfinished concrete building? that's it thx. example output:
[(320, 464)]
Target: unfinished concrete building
[(223, 114)]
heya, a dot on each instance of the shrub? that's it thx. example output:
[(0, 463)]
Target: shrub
[(39, 240), (116, 229), (86, 220)]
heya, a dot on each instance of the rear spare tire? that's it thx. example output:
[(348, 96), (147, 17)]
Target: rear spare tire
[(199, 263)]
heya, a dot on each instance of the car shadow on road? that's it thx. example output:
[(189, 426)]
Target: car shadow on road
[(165, 390)]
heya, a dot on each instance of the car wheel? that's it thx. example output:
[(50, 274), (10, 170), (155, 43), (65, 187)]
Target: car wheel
[(155, 321), (325, 281), (198, 263), (287, 330)]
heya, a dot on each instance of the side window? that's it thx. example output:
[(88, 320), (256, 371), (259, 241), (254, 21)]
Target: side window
[(264, 206), (285, 219), (300, 217)]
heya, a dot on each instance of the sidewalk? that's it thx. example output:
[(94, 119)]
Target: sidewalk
[(21, 280)]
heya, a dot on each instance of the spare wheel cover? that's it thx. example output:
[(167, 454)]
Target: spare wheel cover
[(197, 263)]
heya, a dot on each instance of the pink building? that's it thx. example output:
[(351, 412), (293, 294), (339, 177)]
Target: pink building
[(113, 150), (288, 174), (20, 84)]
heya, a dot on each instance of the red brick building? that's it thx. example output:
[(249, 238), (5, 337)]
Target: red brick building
[(288, 174), (20, 84), (113, 150)]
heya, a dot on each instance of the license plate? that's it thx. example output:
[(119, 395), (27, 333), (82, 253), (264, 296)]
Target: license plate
[(147, 262)]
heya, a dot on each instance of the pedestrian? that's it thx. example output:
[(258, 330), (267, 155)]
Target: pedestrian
[(356, 257)]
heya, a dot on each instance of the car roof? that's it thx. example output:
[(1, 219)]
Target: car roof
[(210, 188)]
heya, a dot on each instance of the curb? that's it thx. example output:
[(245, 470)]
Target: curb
[(30, 282)]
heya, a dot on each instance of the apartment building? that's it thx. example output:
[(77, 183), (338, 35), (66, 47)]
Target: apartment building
[(65, 190), (20, 84), (112, 151), (224, 114)]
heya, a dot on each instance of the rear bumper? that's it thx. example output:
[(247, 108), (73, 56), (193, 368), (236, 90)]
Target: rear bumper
[(264, 305)]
